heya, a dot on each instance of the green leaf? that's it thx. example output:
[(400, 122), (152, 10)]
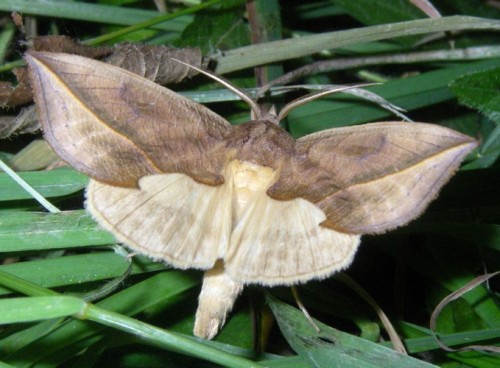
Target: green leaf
[(476, 8), (216, 30), (333, 348), (28, 309), (6, 35), (410, 93), (489, 151), (428, 342), (5, 365), (53, 183), (373, 12), (481, 91), (86, 11), (74, 269), (48, 307), (21, 231), (162, 288), (269, 52), (166, 339)]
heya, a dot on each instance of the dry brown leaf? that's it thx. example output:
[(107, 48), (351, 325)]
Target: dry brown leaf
[(68, 45), (25, 122), (155, 62), (19, 94)]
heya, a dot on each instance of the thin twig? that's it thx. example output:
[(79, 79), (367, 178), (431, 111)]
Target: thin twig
[(471, 53)]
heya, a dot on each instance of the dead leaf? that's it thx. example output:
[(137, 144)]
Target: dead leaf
[(68, 45), (20, 94), (25, 122), (155, 62)]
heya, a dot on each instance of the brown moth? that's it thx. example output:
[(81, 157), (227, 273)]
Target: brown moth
[(247, 203)]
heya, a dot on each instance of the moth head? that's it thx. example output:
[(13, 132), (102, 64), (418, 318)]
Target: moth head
[(268, 115)]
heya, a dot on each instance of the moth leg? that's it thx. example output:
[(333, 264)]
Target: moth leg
[(218, 294)]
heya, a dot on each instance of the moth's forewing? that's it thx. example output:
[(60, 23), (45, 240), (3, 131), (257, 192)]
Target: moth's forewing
[(117, 127), (372, 178)]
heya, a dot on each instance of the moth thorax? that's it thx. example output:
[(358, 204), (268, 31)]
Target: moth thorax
[(263, 143), (249, 181)]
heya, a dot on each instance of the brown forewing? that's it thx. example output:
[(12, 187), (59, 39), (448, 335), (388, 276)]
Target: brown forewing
[(372, 178), (123, 126)]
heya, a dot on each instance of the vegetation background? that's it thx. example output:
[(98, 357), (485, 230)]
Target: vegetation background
[(443, 70)]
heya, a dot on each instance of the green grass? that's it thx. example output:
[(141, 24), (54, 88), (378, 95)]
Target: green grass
[(52, 264)]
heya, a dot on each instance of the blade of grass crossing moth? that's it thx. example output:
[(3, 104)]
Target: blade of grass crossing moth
[(28, 188)]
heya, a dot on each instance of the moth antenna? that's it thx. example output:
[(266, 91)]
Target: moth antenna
[(314, 96), (253, 105)]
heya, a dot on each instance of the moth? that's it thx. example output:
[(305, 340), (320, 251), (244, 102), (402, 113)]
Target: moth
[(248, 204)]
